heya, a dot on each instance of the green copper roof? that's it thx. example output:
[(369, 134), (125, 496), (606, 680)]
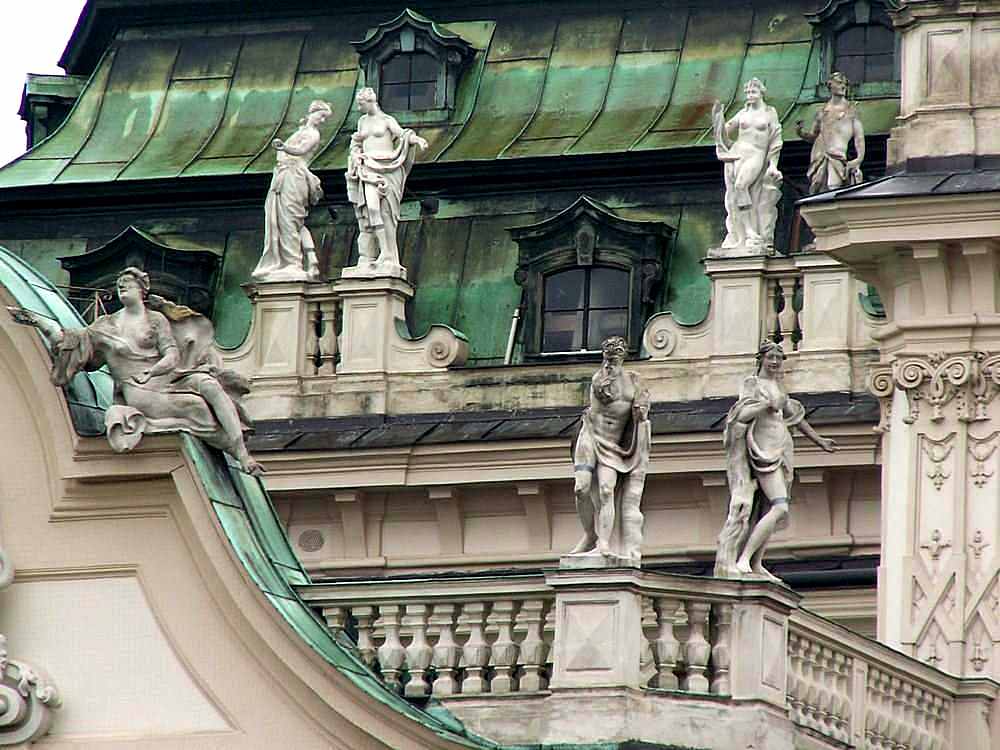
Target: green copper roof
[(180, 103), (89, 393)]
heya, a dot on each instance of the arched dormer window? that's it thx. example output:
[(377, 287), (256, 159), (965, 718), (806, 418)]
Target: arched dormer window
[(856, 38), (588, 274), (414, 64)]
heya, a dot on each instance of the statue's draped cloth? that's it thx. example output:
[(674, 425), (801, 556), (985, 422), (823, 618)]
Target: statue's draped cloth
[(294, 189), (627, 456), (378, 179)]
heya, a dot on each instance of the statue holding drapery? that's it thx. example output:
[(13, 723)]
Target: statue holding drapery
[(833, 129), (381, 157), (753, 182), (166, 368), (289, 252)]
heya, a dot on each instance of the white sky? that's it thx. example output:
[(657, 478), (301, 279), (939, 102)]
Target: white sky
[(32, 38)]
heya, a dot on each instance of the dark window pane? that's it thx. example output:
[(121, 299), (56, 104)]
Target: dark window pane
[(853, 67), (880, 40), (879, 68), (608, 287), (851, 41), (562, 332), (422, 95), (425, 67), (396, 69), (605, 323), (394, 97), (564, 290)]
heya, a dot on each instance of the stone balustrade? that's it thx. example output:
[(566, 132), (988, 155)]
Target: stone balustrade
[(486, 644)]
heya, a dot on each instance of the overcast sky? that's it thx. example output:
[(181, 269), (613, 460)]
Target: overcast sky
[(32, 38)]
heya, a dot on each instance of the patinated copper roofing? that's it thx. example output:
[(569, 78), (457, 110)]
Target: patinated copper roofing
[(177, 102)]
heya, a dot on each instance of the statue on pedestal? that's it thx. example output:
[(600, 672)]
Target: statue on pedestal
[(753, 182), (760, 463), (166, 369), (610, 458), (289, 252), (835, 126), (381, 157)]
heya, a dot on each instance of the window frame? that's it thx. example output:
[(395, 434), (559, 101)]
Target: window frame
[(409, 82), (587, 308)]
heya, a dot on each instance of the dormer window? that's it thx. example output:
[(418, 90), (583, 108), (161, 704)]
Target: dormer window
[(415, 65), (408, 81), (588, 274), (856, 38)]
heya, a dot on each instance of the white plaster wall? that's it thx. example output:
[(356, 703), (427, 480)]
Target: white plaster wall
[(105, 648)]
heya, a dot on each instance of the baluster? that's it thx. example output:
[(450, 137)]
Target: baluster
[(476, 652), (336, 619), (778, 302), (842, 666), (797, 304), (813, 679), (364, 617), (722, 648), (446, 651), (418, 652), (314, 327), (697, 649), (534, 649), (666, 648), (328, 338), (391, 654), (504, 656)]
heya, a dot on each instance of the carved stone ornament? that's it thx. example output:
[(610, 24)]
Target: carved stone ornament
[(749, 144), (968, 382), (610, 459), (27, 695), (760, 465), (165, 365), (289, 252), (381, 157)]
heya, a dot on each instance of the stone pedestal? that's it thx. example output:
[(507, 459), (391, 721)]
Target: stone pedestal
[(599, 626), (375, 337)]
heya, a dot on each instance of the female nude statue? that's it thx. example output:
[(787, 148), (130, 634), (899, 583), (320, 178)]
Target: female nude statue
[(753, 182), (382, 154), (165, 366), (759, 465), (294, 189)]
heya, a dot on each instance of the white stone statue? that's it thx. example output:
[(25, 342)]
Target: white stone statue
[(759, 465), (833, 129), (610, 458), (753, 182), (382, 154), (289, 252), (165, 366)]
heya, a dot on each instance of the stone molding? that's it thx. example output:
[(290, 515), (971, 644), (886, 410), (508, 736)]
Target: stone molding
[(970, 381)]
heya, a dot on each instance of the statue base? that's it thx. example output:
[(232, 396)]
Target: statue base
[(592, 560), (369, 269), (740, 251)]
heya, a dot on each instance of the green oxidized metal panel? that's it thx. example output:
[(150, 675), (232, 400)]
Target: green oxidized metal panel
[(437, 267), (577, 78), (688, 290), (232, 312), (710, 68), (192, 110), (257, 102), (132, 102)]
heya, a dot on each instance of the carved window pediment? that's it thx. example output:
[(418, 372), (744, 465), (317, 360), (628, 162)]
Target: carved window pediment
[(184, 276), (588, 273), (414, 64)]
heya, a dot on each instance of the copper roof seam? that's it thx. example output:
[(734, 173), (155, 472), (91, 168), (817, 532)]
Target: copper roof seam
[(343, 120), (284, 113), (541, 91), (607, 88), (475, 97), (155, 122), (222, 111), (805, 74), (113, 52), (461, 274), (743, 64), (673, 86)]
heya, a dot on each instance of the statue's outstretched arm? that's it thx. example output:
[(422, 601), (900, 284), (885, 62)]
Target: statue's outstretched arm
[(50, 329), (827, 444)]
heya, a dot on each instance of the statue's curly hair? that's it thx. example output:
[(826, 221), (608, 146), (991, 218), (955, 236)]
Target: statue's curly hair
[(140, 276), (614, 346)]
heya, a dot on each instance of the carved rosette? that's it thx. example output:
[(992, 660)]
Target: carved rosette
[(966, 382)]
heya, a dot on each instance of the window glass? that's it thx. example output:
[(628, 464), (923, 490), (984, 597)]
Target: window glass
[(865, 53), (409, 82), (584, 306)]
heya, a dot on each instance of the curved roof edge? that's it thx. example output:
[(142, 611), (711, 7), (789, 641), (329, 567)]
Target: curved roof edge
[(89, 393), (245, 513)]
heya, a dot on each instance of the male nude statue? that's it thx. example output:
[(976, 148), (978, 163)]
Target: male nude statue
[(612, 449), (831, 133)]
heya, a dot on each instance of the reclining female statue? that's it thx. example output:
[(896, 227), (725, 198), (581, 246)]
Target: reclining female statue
[(165, 366)]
